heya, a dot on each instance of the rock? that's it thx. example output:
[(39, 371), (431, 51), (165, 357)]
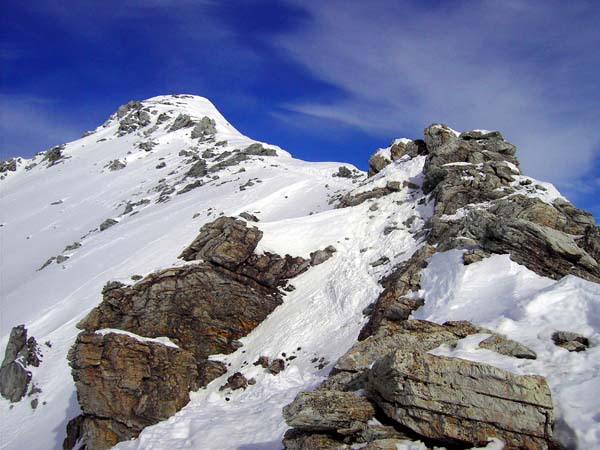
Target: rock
[(226, 242), (197, 170), (116, 164), (235, 382), (8, 165), (403, 147), (351, 199), (208, 370), (508, 347), (132, 118), (232, 161), (190, 186), (161, 165), (473, 256), (394, 186), (377, 162), (276, 366), (320, 256), (206, 127), (54, 155), (458, 401), (147, 146), (107, 224), (142, 383), (181, 121), (61, 259), (299, 440), (259, 150), (343, 172), (21, 352), (249, 217), (263, 361), (573, 342), (74, 432), (71, 247), (328, 411)]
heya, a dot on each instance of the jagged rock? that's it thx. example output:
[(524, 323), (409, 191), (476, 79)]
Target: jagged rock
[(162, 118), (188, 187), (299, 440), (147, 146), (161, 165), (473, 256), (454, 400), (197, 170), (263, 361), (206, 127), (141, 383), (377, 162), (132, 117), (181, 121), (343, 172), (116, 164), (8, 165), (259, 150), (403, 147), (61, 259), (394, 186), (508, 347), (192, 305), (47, 263), (235, 382), (276, 366), (356, 199), (226, 242), (20, 353), (571, 341), (320, 256), (328, 411), (233, 161), (209, 370), (54, 155), (249, 217), (107, 224), (74, 432)]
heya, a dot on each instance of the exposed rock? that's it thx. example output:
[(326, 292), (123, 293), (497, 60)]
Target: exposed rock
[(299, 440), (249, 217), (132, 117), (508, 347), (232, 161), (54, 155), (394, 186), (197, 170), (116, 164), (351, 199), (235, 382), (226, 242), (181, 121), (377, 162), (107, 224), (455, 400), (141, 383), (320, 256), (162, 118), (473, 256), (206, 127), (8, 165), (328, 411), (276, 366), (147, 146), (20, 353), (571, 341), (263, 361), (161, 165), (403, 147), (259, 150), (343, 172), (74, 432)]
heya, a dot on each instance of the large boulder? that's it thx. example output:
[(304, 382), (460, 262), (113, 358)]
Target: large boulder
[(458, 401), (141, 383), (21, 352)]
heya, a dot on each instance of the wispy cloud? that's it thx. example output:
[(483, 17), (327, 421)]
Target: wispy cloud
[(525, 68), (29, 124)]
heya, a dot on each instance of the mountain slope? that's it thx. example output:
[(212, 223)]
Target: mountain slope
[(162, 168)]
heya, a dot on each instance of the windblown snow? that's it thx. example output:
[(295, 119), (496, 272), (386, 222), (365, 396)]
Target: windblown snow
[(57, 210)]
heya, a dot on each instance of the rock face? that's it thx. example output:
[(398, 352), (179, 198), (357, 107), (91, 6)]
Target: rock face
[(141, 383), (21, 352), (459, 401), (573, 342), (126, 384)]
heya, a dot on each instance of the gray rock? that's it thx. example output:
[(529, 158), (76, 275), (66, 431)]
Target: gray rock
[(134, 119), (206, 127), (328, 411), (54, 155), (116, 164), (356, 199), (235, 382), (508, 347), (107, 224), (411, 148), (181, 121), (454, 400), (249, 217), (147, 145), (21, 352), (198, 169), (259, 150), (377, 162), (320, 256), (573, 342), (8, 165), (343, 172)]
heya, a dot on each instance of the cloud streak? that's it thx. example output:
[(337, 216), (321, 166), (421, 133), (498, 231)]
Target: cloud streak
[(527, 70)]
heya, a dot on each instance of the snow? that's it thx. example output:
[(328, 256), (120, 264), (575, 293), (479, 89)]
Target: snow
[(506, 297), (158, 340), (322, 316)]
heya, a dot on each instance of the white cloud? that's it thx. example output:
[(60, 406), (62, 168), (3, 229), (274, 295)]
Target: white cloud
[(527, 69)]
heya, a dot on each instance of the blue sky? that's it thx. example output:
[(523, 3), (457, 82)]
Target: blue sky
[(327, 80)]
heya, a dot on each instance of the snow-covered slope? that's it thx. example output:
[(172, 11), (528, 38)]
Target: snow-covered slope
[(133, 168)]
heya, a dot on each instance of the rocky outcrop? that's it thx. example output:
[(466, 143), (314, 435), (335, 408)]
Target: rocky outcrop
[(8, 165), (204, 129), (459, 401), (141, 383), (132, 116), (369, 367), (54, 155), (204, 308), (570, 341), (21, 352), (181, 121)]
